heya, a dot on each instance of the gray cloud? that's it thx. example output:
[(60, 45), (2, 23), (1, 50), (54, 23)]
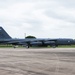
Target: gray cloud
[(42, 18), (67, 3), (62, 16)]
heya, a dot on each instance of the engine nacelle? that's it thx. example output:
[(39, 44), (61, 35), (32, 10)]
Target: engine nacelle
[(36, 43), (49, 42)]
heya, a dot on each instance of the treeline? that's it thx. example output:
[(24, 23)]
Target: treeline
[(30, 36)]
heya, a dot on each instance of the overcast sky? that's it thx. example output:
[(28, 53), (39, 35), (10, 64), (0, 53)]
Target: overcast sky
[(40, 18)]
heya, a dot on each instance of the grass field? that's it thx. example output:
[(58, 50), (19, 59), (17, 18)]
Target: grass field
[(67, 46), (60, 46)]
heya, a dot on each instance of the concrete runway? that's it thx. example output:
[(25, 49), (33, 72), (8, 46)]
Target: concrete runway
[(41, 61)]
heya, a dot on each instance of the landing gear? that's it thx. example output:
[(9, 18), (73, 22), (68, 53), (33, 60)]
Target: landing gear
[(15, 46), (53, 46), (26, 46)]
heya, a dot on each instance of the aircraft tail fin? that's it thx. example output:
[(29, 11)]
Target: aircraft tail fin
[(3, 34)]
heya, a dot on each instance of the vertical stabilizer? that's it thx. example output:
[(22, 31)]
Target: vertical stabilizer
[(3, 34)]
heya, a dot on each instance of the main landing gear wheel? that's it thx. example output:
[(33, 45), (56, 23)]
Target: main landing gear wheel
[(27, 46)]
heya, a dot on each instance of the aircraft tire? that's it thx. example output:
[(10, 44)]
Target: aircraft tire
[(53, 46), (27, 46)]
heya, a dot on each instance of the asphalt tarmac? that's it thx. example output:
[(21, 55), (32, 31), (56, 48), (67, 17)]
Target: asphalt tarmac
[(41, 61)]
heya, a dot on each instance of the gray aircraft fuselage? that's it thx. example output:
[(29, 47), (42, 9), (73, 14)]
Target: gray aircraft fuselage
[(38, 42), (6, 39)]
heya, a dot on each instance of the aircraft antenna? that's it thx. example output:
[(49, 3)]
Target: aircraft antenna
[(24, 35)]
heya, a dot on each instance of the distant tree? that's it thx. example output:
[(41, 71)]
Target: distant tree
[(30, 36)]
